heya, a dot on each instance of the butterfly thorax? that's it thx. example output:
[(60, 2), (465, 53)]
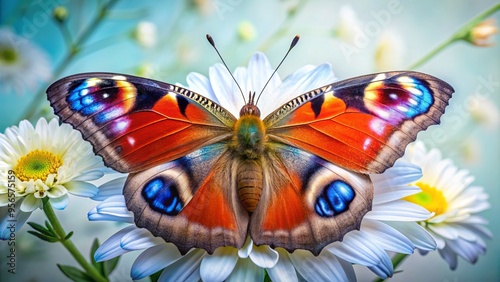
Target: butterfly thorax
[(248, 144), (249, 134)]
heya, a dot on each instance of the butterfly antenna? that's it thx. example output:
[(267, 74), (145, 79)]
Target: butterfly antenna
[(294, 42), (211, 41)]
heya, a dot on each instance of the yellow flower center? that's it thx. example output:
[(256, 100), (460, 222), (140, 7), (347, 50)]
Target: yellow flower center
[(7, 55), (430, 198), (37, 164)]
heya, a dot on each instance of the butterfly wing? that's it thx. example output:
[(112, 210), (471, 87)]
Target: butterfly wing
[(136, 123), (189, 202), (362, 124), (307, 202)]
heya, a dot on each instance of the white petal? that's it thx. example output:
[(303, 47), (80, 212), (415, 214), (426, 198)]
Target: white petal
[(357, 248), (387, 237), (222, 84), (398, 211), (90, 175), (449, 256), (30, 203), (111, 247), (470, 251), (201, 85), (61, 202), (110, 188), (94, 215), (444, 230), (219, 265), (382, 270), (386, 194), (245, 251), (139, 239), (153, 260), (81, 188), (416, 233), (283, 270), (6, 217), (263, 256), (245, 270), (114, 205), (185, 268), (324, 267)]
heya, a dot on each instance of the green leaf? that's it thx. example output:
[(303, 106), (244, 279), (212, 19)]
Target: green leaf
[(49, 227), (68, 236), (44, 237), (74, 273), (98, 265), (110, 265), (155, 276), (41, 229)]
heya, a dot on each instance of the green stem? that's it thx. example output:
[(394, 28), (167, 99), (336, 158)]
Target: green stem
[(74, 49), (461, 34), (396, 261), (68, 244)]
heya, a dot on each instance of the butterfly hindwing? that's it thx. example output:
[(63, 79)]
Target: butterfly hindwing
[(307, 202), (364, 123), (136, 123), (188, 202)]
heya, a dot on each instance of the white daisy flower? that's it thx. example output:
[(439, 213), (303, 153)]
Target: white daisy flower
[(390, 226), (446, 192), (348, 26), (22, 64), (46, 161)]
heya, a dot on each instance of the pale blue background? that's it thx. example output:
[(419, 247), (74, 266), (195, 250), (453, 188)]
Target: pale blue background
[(421, 25)]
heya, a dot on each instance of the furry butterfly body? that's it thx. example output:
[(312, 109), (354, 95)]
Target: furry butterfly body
[(296, 179)]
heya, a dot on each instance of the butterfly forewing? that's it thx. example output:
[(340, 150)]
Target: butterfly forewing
[(136, 123), (362, 124)]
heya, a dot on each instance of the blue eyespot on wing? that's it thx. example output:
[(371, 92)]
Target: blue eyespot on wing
[(334, 199)]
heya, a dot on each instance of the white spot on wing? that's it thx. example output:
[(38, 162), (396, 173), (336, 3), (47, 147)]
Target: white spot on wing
[(377, 126), (380, 76), (367, 143), (119, 77), (406, 79), (131, 140), (402, 109)]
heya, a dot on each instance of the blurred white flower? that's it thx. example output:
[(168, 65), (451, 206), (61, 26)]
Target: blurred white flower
[(348, 26), (145, 34), (46, 161), (455, 225), (470, 150), (22, 64), (389, 52), (484, 112), (246, 31)]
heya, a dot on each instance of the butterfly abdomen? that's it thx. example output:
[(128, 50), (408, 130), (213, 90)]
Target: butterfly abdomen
[(249, 180)]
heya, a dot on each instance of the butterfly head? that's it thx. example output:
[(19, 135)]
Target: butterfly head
[(250, 108)]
